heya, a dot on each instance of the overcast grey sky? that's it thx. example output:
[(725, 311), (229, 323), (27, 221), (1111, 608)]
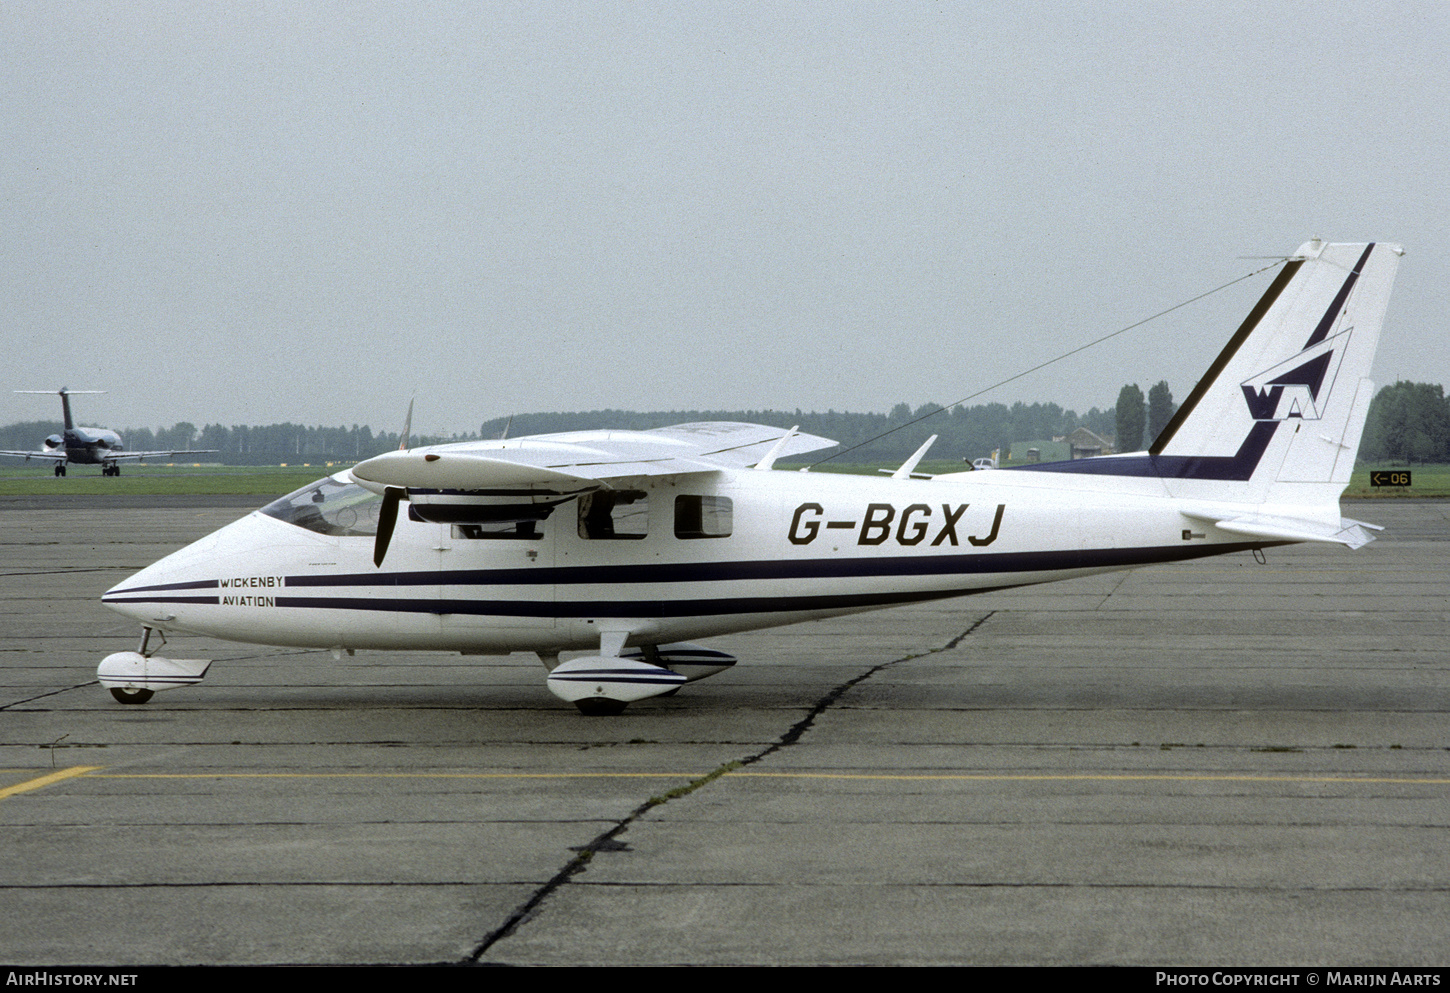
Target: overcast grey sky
[(249, 213)]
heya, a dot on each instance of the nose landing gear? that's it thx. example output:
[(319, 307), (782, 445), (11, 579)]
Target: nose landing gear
[(135, 677)]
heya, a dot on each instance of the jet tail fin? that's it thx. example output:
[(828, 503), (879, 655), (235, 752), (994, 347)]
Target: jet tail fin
[(65, 393)]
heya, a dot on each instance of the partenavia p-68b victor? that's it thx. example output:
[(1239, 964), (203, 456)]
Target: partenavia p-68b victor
[(88, 446), (626, 543)]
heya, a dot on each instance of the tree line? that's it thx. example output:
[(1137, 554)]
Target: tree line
[(1132, 414), (964, 432), (1407, 422)]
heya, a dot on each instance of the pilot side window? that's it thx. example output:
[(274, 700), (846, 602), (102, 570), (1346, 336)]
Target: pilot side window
[(614, 514), (329, 506), (703, 516)]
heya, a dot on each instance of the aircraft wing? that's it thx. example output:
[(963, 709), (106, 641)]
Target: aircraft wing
[(582, 460), (48, 456), (110, 456)]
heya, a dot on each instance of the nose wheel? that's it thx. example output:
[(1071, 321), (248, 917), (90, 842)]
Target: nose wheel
[(134, 677)]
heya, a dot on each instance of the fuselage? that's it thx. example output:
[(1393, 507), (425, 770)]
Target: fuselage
[(667, 557), (88, 446)]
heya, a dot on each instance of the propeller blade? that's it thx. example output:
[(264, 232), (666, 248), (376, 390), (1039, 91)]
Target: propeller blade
[(407, 427), (387, 520)]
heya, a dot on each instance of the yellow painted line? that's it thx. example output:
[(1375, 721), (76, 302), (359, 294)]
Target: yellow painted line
[(1271, 570), (46, 780), (1088, 777), (887, 777), (400, 775)]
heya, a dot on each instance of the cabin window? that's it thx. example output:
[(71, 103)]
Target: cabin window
[(703, 516), (614, 514), (526, 530), (330, 506)]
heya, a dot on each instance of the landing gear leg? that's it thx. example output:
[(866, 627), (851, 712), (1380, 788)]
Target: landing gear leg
[(146, 634), (60, 468), (121, 693)]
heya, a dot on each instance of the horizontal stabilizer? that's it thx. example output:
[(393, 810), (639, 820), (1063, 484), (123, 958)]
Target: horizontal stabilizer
[(1346, 532)]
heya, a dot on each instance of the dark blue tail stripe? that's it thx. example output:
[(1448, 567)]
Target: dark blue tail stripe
[(1237, 468), (1327, 321)]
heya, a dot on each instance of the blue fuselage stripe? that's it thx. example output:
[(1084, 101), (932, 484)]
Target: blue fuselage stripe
[(963, 565)]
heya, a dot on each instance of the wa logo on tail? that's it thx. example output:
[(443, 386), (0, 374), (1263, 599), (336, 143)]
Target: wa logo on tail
[(1292, 389)]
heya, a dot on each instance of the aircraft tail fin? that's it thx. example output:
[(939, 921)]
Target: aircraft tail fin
[(1283, 407), (1276, 421)]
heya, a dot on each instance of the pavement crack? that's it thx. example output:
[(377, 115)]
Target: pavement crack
[(608, 841), (49, 693), (826, 702), (1122, 578)]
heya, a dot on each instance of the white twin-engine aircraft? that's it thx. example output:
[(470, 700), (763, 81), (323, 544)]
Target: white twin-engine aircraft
[(627, 543)]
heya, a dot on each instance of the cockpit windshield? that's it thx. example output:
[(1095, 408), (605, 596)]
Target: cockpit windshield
[(330, 506)]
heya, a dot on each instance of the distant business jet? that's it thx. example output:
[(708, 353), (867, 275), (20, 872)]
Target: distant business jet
[(88, 446)]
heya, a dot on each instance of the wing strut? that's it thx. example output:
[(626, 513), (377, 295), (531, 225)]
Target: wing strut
[(909, 466), (769, 460)]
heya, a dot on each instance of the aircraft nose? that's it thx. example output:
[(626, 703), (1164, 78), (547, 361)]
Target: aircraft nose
[(179, 590), (157, 593), (151, 594)]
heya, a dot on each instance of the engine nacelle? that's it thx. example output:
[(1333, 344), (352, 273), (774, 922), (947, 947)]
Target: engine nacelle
[(501, 507)]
